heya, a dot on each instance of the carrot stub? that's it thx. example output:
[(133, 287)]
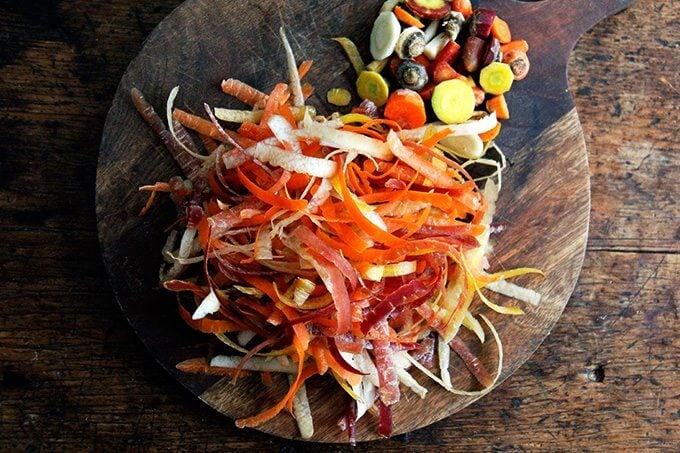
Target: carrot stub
[(497, 104), (205, 127), (304, 68), (244, 92)]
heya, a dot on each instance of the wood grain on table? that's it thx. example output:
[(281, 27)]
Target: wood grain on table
[(74, 375)]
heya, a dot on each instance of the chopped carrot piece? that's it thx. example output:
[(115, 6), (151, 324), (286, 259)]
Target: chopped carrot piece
[(307, 90), (518, 44), (394, 63), (407, 108), (423, 60), (304, 68), (426, 92), (462, 6), (407, 18), (501, 30), (497, 104), (518, 62), (479, 95)]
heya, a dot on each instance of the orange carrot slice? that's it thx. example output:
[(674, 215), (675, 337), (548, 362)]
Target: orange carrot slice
[(407, 108), (501, 30)]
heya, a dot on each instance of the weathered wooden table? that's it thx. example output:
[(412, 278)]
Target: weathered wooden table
[(74, 376)]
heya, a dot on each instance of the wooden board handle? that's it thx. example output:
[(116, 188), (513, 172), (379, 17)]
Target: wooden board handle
[(565, 20), (568, 18), (552, 28)]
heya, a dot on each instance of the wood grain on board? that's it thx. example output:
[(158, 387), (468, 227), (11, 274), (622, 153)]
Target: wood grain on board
[(74, 375)]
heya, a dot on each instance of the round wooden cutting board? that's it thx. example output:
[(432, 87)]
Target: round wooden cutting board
[(544, 204)]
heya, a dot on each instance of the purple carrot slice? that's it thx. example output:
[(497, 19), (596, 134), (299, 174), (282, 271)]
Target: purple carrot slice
[(481, 22)]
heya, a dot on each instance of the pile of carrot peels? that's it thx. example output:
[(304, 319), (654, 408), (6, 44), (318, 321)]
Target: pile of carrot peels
[(343, 246)]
